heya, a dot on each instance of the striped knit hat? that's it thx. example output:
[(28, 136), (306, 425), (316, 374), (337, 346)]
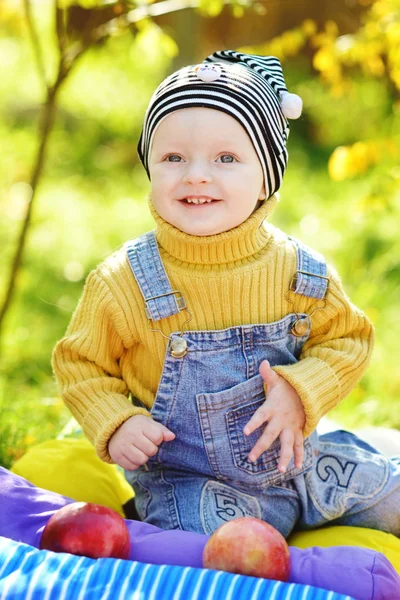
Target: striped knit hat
[(250, 88)]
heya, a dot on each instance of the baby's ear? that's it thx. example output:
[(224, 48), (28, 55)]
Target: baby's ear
[(263, 194)]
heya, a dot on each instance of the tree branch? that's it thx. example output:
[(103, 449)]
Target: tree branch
[(144, 12), (37, 50), (46, 121)]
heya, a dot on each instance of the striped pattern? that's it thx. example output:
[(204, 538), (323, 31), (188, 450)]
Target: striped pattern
[(29, 574), (248, 90)]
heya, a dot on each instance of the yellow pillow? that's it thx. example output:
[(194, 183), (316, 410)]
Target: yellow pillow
[(380, 541), (71, 467)]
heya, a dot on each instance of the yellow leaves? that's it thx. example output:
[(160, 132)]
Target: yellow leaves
[(348, 161), (288, 44), (381, 8), (339, 164), (308, 27), (274, 48), (331, 29), (362, 157), (326, 37), (395, 76), (324, 60), (292, 42), (237, 11), (371, 30), (321, 39), (374, 47), (366, 48), (151, 40), (384, 27), (375, 66), (393, 33), (211, 8), (393, 36)]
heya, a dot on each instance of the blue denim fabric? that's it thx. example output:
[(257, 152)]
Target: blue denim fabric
[(203, 478)]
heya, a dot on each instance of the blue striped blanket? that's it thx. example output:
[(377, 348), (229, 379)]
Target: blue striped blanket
[(30, 574)]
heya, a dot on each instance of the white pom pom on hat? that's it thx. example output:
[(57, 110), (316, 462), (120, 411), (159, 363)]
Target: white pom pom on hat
[(291, 105)]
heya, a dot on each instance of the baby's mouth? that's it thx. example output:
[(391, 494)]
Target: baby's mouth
[(199, 200)]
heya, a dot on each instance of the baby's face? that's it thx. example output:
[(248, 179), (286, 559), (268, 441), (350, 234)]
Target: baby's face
[(205, 174)]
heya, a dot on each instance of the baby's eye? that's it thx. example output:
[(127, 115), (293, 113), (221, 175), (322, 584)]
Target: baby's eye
[(173, 158), (227, 158)]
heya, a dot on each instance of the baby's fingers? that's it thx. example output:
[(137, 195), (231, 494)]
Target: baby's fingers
[(129, 458), (148, 447), (157, 433), (287, 443), (269, 435), (259, 417), (298, 450), (168, 435)]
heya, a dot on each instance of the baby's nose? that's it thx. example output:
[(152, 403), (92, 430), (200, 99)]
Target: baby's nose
[(197, 171)]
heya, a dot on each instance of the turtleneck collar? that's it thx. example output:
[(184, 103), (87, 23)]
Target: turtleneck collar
[(234, 245)]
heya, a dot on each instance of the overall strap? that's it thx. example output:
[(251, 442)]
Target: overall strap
[(310, 278), (160, 299)]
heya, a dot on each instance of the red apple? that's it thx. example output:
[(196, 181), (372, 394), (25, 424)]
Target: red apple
[(87, 529), (248, 546)]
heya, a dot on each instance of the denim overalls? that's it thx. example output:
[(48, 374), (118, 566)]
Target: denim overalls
[(203, 477)]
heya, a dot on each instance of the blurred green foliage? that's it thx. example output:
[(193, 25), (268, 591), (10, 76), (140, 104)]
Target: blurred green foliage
[(93, 198)]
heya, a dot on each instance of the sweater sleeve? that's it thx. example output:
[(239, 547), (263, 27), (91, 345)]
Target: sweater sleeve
[(86, 365), (334, 357)]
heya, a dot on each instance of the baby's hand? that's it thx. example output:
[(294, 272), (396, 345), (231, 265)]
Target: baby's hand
[(286, 419), (136, 440)]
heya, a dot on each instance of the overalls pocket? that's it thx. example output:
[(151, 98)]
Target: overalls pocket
[(223, 416), (347, 472)]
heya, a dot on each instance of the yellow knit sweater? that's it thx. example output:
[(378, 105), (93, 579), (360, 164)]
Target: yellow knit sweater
[(238, 277)]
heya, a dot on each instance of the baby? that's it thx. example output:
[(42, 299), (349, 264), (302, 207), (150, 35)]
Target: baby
[(203, 354)]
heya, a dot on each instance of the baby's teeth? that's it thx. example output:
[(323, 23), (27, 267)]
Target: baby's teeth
[(199, 200)]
